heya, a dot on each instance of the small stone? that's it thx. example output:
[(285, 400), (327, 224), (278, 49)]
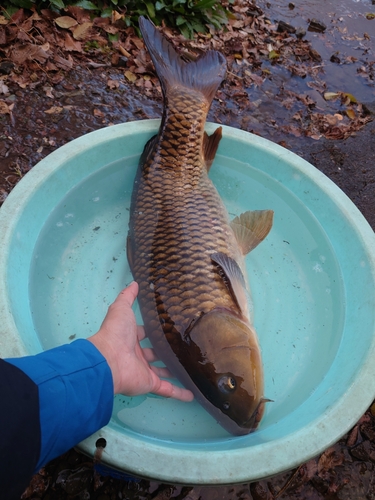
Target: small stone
[(335, 59), (291, 5), (6, 67), (317, 26), (283, 26), (300, 32)]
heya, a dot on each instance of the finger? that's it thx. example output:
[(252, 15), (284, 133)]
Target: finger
[(169, 390), (141, 334), (129, 294), (161, 372), (149, 354)]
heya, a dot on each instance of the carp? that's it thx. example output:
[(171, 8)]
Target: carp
[(186, 255)]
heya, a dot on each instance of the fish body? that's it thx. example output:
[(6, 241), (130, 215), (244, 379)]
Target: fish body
[(186, 256)]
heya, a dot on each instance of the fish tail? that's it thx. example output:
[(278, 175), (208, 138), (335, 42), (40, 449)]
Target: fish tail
[(203, 75)]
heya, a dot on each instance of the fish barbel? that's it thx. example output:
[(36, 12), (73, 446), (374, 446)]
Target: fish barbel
[(186, 256)]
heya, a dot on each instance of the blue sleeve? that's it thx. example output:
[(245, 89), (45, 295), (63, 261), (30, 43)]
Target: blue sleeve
[(75, 394)]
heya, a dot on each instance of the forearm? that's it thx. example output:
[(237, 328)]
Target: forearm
[(75, 395)]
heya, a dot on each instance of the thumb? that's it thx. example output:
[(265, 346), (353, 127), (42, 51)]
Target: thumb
[(128, 295)]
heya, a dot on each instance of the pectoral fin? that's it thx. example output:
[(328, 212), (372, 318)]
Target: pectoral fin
[(210, 145), (250, 228), (234, 278)]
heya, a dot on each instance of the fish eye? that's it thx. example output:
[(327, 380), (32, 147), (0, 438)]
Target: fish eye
[(227, 383), (226, 405)]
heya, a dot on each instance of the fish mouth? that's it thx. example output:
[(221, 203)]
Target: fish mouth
[(253, 422)]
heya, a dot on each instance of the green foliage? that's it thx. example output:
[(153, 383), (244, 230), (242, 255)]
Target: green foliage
[(188, 16)]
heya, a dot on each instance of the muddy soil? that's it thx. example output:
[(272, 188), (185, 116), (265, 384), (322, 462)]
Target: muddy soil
[(284, 102)]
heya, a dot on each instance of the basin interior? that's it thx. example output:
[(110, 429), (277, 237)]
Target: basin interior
[(79, 265)]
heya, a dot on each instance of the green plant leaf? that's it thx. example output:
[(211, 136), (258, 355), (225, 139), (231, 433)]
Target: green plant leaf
[(25, 4), (106, 12), (86, 4), (186, 31), (204, 4), (180, 20), (113, 38), (159, 5), (150, 9), (58, 3)]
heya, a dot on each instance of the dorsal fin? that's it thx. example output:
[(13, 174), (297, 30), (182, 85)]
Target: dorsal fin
[(210, 145), (204, 75), (250, 228), (235, 277)]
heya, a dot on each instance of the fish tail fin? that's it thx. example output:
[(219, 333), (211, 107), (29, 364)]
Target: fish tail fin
[(204, 75)]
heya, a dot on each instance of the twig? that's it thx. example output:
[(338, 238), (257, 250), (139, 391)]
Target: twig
[(288, 483)]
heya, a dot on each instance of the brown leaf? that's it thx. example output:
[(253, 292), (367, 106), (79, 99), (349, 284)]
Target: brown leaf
[(350, 113), (18, 17), (3, 20), (3, 38), (101, 22), (113, 84), (80, 14), (48, 91), (72, 45), (138, 43), (4, 108), (28, 52), (65, 22), (130, 76), (82, 30), (54, 110), (63, 63), (329, 460), (124, 52), (98, 113)]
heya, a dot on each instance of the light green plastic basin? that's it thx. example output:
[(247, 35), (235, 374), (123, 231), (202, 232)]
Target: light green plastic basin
[(62, 261)]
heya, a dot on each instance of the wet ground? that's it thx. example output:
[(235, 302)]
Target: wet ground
[(315, 96)]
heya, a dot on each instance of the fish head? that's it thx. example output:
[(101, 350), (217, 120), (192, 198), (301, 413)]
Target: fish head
[(226, 366)]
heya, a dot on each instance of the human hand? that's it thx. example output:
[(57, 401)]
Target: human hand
[(118, 340)]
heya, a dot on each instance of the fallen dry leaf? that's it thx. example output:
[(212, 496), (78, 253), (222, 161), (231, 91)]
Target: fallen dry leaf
[(130, 76), (65, 22), (4, 108), (54, 110), (329, 460), (124, 52), (81, 31), (64, 63), (48, 91), (330, 95), (113, 84), (4, 89), (3, 20), (22, 53), (98, 113), (72, 45)]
